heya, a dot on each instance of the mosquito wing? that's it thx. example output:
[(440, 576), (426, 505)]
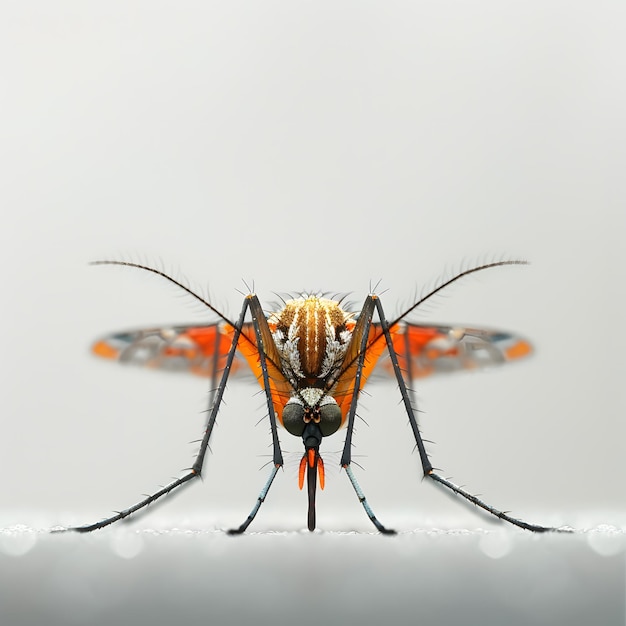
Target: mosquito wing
[(197, 349), (425, 350)]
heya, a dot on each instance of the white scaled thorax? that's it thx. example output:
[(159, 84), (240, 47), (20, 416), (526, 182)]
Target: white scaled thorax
[(312, 335)]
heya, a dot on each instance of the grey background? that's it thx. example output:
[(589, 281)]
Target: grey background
[(313, 145)]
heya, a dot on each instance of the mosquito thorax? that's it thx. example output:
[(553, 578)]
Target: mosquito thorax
[(312, 335)]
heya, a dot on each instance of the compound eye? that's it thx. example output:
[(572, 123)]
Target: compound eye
[(293, 418), (330, 418)]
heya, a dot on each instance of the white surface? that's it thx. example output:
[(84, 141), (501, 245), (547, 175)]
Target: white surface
[(436, 577), (312, 146)]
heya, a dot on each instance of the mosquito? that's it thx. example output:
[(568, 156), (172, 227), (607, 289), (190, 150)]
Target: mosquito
[(312, 359)]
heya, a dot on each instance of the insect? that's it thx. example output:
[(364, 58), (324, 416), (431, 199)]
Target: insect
[(312, 359)]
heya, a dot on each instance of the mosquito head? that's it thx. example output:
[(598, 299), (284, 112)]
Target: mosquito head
[(312, 436), (312, 406)]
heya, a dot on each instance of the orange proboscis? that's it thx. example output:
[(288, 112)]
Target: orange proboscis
[(309, 459), (301, 472), (320, 472)]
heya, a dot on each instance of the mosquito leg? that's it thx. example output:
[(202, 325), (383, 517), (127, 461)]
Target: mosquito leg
[(426, 464), (136, 507), (257, 506), (366, 506), (490, 509), (258, 320), (196, 469), (363, 327), (215, 362), (365, 318)]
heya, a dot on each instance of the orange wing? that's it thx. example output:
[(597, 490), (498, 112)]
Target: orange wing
[(196, 349), (427, 350), (423, 350)]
